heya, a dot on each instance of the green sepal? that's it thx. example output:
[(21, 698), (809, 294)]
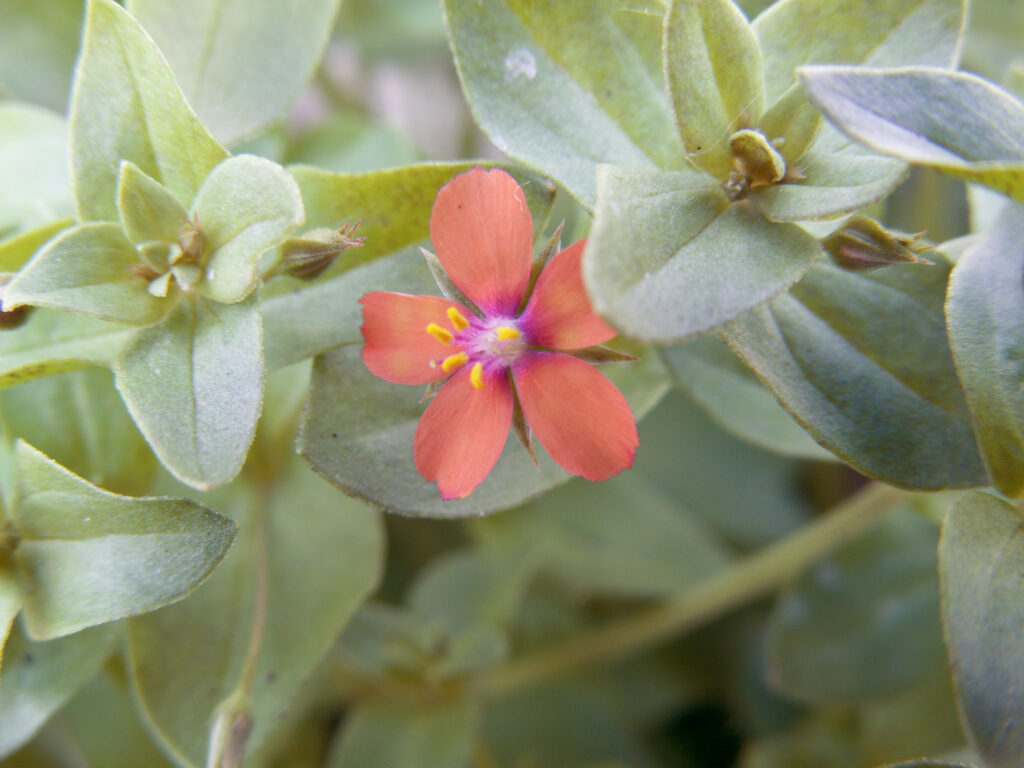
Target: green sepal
[(90, 557), (91, 269)]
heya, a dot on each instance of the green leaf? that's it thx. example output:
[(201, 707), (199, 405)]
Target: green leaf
[(928, 764), (862, 362), (401, 735), (865, 621), (985, 310), (953, 121), (588, 544), (194, 386), (88, 269), (358, 432), (696, 462), (981, 562), (17, 250), (715, 77), (187, 658), (127, 106), (536, 88), (896, 33), (350, 143), (240, 65), (33, 164), (838, 177), (52, 342), (668, 258), (148, 211), (332, 199), (105, 725), (90, 556), (733, 397), (38, 678), (79, 421), (10, 600), (246, 205), (38, 42)]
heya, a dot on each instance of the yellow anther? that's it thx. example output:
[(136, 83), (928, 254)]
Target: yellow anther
[(460, 322), (439, 333), (476, 375), (453, 362), (505, 334)]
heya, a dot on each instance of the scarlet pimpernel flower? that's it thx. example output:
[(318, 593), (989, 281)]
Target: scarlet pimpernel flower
[(506, 356)]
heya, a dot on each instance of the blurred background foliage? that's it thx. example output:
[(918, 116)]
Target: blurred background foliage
[(844, 668)]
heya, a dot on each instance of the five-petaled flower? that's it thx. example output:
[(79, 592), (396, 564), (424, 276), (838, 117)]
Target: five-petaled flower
[(503, 354)]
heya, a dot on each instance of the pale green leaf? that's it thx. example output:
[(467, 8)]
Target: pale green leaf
[(246, 205), (17, 250), (79, 421), (127, 106), (10, 600), (624, 537), (38, 678), (91, 557), (240, 64), (865, 621), (194, 386), (715, 77), (953, 121), (332, 199), (404, 735), (981, 569), (862, 361), (33, 164), (186, 658), (38, 42), (668, 258), (985, 311), (148, 211), (88, 269), (52, 342), (895, 33), (733, 397), (538, 90), (791, 124)]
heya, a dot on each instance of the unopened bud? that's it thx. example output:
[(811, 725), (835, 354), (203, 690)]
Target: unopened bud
[(309, 256), (190, 240), (862, 244), (10, 318)]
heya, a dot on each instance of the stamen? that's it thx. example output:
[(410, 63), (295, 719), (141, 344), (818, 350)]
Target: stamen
[(453, 362), (476, 376), (460, 322), (506, 334), (439, 333)]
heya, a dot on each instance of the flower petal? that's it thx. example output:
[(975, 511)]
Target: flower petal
[(483, 233), (463, 431), (559, 314), (576, 413), (398, 347)]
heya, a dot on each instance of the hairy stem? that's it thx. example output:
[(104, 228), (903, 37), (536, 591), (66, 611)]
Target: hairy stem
[(758, 575)]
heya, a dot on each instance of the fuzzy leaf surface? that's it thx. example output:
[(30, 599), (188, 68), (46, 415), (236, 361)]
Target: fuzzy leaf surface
[(126, 105), (862, 361), (194, 386)]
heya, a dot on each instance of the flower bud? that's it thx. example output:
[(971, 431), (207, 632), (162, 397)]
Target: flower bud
[(863, 244), (309, 256)]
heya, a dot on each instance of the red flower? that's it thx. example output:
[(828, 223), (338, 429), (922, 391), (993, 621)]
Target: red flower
[(483, 233)]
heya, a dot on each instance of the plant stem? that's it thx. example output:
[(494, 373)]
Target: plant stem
[(234, 722), (758, 575)]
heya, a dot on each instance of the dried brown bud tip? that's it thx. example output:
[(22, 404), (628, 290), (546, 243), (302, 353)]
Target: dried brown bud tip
[(863, 244), (191, 241), (10, 318), (309, 256)]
